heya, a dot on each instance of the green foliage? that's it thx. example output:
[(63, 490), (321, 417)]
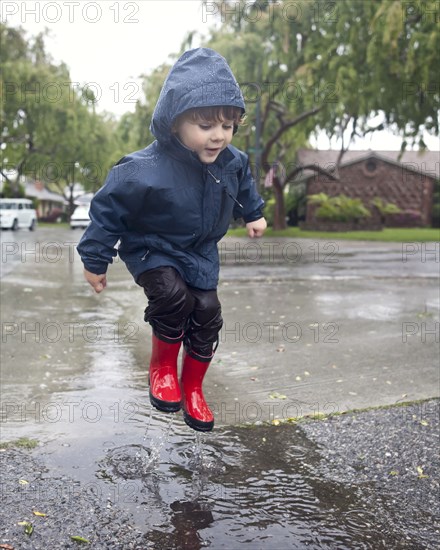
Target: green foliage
[(330, 66), (133, 128), (381, 57), (351, 59), (290, 201), (339, 209), (258, 42), (385, 207), (10, 190), (304, 66), (50, 130)]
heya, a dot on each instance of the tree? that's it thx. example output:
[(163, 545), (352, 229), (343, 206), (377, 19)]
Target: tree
[(50, 130), (382, 59), (330, 66), (133, 129), (265, 49), (28, 118), (85, 150)]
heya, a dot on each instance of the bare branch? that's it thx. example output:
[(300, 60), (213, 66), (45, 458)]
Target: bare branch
[(377, 128), (343, 149), (3, 173), (316, 167), (283, 129)]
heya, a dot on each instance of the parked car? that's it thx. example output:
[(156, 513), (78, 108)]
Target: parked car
[(54, 216), (17, 214), (80, 217)]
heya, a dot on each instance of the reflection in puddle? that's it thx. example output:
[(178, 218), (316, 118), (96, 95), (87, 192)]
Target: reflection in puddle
[(242, 487)]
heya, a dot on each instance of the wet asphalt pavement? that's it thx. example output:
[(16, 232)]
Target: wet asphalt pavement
[(311, 328)]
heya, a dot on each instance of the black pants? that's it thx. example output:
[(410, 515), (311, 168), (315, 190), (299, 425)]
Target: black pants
[(176, 310)]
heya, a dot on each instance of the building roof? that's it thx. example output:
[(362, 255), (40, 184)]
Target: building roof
[(426, 162), (41, 193)]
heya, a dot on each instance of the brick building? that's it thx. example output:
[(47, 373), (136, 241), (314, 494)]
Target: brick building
[(408, 182)]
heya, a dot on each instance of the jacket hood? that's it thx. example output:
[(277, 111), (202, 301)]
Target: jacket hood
[(199, 78)]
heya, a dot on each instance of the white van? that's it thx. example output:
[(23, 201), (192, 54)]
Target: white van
[(17, 213)]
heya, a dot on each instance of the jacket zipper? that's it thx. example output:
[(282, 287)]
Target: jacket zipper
[(225, 189)]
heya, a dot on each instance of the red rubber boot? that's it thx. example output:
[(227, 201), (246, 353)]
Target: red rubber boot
[(196, 412), (165, 392)]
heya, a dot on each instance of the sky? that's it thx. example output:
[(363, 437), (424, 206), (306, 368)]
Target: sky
[(108, 45)]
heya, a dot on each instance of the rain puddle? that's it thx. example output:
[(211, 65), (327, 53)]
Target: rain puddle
[(250, 488)]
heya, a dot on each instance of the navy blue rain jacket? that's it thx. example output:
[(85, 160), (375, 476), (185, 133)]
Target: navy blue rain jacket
[(162, 204)]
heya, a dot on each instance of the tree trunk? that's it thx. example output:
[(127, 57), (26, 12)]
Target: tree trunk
[(279, 218), (71, 201)]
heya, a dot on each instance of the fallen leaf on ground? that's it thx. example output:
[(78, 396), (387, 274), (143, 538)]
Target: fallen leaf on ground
[(41, 514), (28, 527), (23, 482), (6, 547), (79, 539), (276, 395)]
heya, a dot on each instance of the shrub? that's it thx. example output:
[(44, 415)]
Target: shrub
[(290, 203), (405, 218), (339, 209)]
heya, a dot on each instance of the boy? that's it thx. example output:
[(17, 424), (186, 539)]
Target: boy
[(168, 205)]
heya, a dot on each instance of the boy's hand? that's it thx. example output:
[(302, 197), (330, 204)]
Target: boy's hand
[(256, 228), (98, 282)]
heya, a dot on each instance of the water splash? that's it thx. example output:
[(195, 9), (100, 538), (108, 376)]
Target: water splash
[(150, 451), (139, 460), (127, 461), (204, 458)]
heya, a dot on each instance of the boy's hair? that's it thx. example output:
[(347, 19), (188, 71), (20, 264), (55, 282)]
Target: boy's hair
[(215, 113)]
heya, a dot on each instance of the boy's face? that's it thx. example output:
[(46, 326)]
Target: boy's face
[(207, 139)]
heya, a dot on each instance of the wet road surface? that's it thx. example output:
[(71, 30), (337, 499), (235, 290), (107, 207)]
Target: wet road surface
[(310, 328)]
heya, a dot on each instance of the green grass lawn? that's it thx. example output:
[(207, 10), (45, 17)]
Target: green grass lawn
[(396, 235), (57, 225)]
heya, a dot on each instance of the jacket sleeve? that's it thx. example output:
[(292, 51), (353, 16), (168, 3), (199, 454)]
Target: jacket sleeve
[(248, 196), (113, 205)]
